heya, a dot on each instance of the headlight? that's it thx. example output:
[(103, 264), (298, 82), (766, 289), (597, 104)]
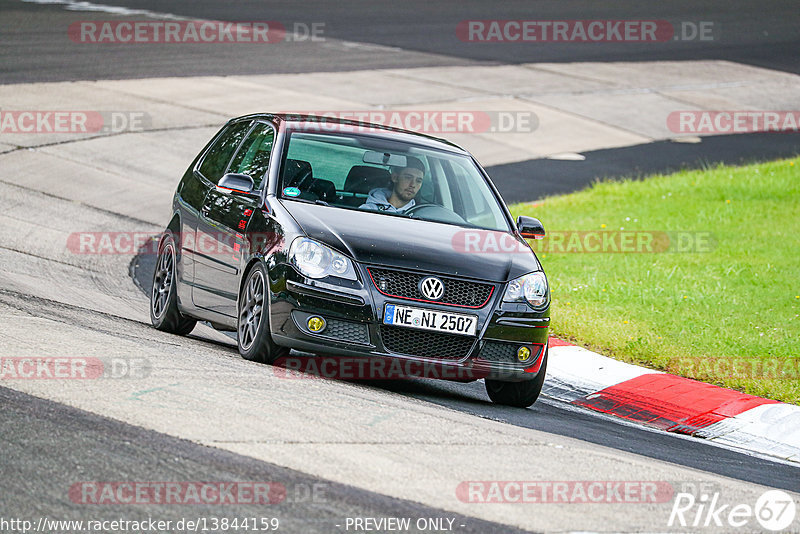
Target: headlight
[(316, 260), (531, 288)]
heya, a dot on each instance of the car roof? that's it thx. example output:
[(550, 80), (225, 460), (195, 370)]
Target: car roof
[(336, 124)]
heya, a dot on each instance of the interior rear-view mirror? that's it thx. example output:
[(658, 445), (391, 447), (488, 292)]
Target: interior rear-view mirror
[(384, 158)]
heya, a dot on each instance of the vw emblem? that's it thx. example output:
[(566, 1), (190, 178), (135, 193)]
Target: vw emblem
[(431, 288)]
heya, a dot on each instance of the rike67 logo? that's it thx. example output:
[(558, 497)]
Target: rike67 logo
[(774, 510)]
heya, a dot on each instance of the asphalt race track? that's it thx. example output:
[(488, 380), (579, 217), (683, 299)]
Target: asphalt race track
[(193, 410), (390, 36), (554, 177), (556, 418), (310, 505)]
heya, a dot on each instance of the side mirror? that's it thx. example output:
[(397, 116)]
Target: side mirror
[(530, 228), (236, 183)]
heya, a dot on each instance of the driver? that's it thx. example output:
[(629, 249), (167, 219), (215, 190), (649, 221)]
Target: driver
[(405, 185)]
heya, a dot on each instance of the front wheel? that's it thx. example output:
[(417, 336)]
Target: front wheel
[(164, 312), (254, 338), (518, 394)]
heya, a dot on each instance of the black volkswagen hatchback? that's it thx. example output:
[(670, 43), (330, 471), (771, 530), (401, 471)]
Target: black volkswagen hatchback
[(352, 239)]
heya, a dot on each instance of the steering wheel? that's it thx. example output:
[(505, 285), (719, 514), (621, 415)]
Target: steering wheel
[(417, 207), (435, 212)]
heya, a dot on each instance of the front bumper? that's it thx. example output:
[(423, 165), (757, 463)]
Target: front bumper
[(353, 311)]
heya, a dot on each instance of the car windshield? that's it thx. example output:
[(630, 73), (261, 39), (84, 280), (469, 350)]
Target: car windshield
[(388, 177)]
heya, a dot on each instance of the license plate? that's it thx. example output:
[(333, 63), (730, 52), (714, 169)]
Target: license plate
[(427, 319)]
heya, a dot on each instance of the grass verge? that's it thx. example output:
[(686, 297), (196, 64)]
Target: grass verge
[(708, 286)]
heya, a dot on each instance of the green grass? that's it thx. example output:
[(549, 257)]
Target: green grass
[(728, 315)]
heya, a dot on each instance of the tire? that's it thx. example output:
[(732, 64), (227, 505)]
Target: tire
[(252, 322), (517, 394), (164, 312)]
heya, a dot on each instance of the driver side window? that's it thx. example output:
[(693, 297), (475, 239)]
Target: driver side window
[(252, 158), (218, 156)]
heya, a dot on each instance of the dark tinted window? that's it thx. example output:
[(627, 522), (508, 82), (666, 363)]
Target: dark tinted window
[(218, 156), (253, 157)]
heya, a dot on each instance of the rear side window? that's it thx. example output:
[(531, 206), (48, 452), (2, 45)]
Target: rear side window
[(252, 158), (216, 159)]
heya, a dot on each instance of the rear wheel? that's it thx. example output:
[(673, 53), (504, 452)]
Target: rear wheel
[(164, 312), (518, 394), (254, 338)]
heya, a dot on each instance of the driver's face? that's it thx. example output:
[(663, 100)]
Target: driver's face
[(407, 183)]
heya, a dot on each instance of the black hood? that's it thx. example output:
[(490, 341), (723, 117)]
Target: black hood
[(397, 241)]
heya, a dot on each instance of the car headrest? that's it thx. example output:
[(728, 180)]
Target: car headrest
[(321, 190), (363, 179), (295, 170)]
